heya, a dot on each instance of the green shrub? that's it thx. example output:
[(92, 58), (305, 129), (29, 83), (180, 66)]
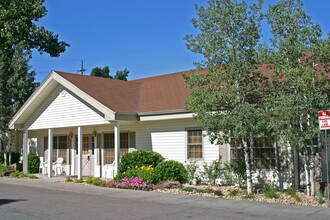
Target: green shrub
[(31, 176), (89, 180), (138, 159), (15, 174), (4, 168), (212, 172), (97, 181), (192, 168), (81, 180), (189, 189), (33, 163), (290, 191), (235, 171), (171, 170), (68, 179), (145, 173), (270, 192), (234, 192)]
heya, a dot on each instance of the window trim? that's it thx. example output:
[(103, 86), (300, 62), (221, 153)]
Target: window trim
[(187, 147)]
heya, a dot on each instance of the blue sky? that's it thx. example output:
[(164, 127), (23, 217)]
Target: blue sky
[(144, 36)]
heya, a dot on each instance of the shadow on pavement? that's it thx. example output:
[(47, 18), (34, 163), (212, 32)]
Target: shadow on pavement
[(7, 201)]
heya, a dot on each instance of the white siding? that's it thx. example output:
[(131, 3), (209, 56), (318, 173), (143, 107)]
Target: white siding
[(169, 138), (61, 109)]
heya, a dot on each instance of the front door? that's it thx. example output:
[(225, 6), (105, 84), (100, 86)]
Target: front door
[(87, 155)]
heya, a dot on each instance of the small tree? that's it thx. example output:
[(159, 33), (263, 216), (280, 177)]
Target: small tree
[(228, 100), (299, 57)]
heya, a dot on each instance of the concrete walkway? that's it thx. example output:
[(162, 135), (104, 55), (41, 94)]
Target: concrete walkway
[(279, 211)]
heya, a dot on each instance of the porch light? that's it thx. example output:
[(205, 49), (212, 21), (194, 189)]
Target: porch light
[(94, 133), (70, 134)]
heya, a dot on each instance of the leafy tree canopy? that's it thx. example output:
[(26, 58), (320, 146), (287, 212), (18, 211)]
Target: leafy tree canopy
[(19, 36), (105, 73)]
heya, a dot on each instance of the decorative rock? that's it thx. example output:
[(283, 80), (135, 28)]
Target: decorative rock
[(168, 185), (218, 192)]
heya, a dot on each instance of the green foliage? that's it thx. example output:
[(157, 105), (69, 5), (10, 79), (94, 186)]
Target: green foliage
[(4, 168), (171, 170), (192, 168), (298, 41), (138, 159), (81, 180), (290, 191), (68, 179), (97, 181), (234, 192), (101, 72), (105, 73), (19, 36), (33, 163), (23, 175), (320, 198), (235, 170), (121, 74), (16, 173), (198, 190), (270, 192), (212, 171), (89, 180), (146, 175)]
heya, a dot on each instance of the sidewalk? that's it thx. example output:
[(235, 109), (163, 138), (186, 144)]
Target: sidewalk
[(282, 211)]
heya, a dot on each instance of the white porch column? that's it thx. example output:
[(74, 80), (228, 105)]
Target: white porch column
[(102, 155), (96, 155), (73, 155), (117, 145), (50, 152), (80, 138), (25, 147)]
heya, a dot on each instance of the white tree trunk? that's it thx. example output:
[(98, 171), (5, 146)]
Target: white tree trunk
[(306, 167), (248, 168)]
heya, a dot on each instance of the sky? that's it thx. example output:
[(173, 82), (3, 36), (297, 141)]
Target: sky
[(144, 36)]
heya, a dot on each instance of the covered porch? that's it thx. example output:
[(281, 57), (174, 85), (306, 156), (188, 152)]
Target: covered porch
[(86, 150)]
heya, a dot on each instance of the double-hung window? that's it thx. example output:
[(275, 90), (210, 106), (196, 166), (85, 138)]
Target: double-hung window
[(194, 144), (109, 146)]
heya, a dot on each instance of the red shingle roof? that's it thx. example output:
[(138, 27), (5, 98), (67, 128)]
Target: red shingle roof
[(154, 94)]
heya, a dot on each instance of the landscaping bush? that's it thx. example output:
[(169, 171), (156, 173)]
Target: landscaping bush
[(270, 192), (4, 168), (212, 172), (145, 172), (235, 172), (138, 159), (33, 163), (193, 177), (171, 170)]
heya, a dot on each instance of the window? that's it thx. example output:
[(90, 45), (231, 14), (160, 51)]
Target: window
[(60, 146), (263, 152), (88, 142), (109, 146), (194, 144)]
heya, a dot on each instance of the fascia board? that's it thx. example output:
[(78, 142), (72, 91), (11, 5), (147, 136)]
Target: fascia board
[(166, 117), (108, 113), (31, 100)]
